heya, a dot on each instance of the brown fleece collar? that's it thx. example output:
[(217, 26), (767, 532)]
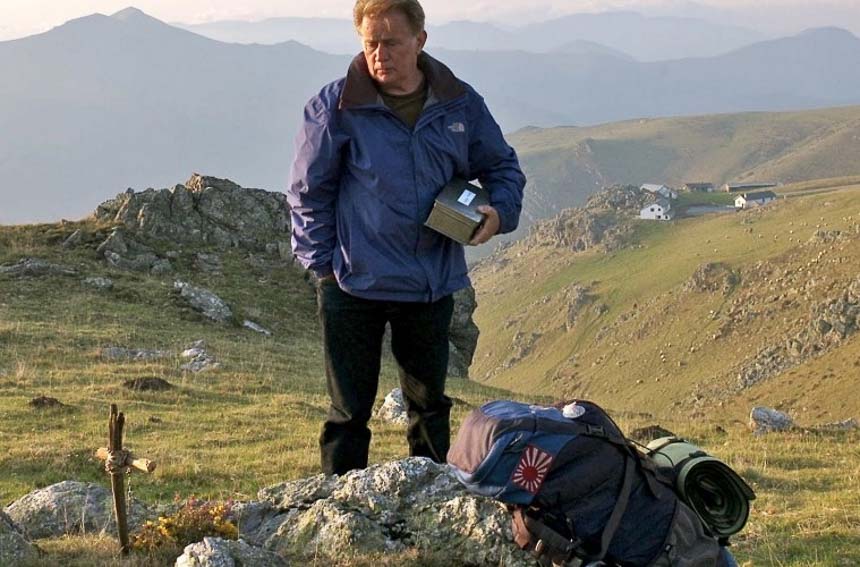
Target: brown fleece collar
[(360, 90)]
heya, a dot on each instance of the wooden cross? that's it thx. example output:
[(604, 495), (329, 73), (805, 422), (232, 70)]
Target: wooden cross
[(118, 462)]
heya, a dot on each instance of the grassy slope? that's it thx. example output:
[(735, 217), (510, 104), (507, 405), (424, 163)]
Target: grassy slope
[(621, 366), (254, 422)]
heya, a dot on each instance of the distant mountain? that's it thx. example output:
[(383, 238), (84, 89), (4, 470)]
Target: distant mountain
[(106, 102), (102, 103), (642, 37)]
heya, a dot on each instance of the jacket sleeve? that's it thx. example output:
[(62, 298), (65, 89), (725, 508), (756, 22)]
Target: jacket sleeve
[(494, 163), (312, 193)]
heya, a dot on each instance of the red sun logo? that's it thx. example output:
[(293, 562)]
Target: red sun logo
[(532, 469)]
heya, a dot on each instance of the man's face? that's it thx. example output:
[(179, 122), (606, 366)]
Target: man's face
[(391, 49)]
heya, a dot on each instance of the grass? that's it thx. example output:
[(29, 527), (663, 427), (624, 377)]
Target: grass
[(254, 422)]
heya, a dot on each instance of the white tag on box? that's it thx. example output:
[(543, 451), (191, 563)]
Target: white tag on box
[(466, 198)]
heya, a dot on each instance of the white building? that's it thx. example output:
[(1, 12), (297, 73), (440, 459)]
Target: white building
[(661, 209), (749, 200), (659, 190)]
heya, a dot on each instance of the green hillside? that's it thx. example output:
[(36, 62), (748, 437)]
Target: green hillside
[(652, 327), (565, 165)]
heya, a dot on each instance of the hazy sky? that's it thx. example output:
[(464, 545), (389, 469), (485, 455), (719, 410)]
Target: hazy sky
[(25, 17)]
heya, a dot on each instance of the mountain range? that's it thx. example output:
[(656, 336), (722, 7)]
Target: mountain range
[(106, 102), (641, 37)]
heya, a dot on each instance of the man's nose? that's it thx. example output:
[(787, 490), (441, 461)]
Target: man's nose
[(381, 52)]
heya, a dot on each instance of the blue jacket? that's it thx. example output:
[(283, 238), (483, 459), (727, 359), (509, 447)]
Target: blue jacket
[(363, 183)]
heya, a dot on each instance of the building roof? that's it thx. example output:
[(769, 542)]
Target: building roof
[(759, 196), (652, 187)]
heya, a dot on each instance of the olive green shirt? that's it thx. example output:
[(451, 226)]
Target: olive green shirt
[(407, 107)]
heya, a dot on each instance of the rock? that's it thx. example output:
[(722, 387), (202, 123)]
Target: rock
[(256, 328), (141, 263), (201, 363), (205, 211), (765, 420), (197, 348), (846, 425), (208, 263), (74, 239), (162, 266), (218, 552), (393, 409), (140, 355), (45, 402), (576, 297), (412, 505), (70, 507), (98, 283), (649, 433), (15, 549), (34, 267), (148, 383), (200, 358), (711, 278), (205, 302)]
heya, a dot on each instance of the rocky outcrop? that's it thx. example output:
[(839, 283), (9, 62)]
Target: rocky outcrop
[(397, 507), (712, 277), (829, 324), (69, 507), (205, 211), (34, 267), (603, 221), (576, 297), (15, 549), (413, 507)]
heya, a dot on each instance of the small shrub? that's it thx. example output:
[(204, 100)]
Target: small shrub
[(194, 520)]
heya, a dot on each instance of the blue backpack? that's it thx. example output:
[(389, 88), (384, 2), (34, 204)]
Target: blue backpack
[(578, 490)]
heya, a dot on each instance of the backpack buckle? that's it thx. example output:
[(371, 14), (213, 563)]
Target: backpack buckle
[(595, 430)]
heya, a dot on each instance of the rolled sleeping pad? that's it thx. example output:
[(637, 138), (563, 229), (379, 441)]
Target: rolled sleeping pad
[(710, 487)]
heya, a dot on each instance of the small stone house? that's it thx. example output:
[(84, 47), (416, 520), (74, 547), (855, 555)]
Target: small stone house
[(739, 187), (749, 200), (661, 209), (699, 187), (659, 190)]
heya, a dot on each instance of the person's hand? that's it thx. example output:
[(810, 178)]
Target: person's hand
[(488, 228)]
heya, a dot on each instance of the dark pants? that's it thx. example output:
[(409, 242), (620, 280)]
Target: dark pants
[(353, 330)]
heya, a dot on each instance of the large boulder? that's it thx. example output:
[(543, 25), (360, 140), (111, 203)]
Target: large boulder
[(14, 547), (69, 507), (409, 506), (203, 211), (765, 420)]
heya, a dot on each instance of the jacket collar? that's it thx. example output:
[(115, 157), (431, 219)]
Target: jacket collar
[(360, 89)]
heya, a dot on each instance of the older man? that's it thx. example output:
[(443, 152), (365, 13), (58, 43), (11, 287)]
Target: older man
[(375, 149)]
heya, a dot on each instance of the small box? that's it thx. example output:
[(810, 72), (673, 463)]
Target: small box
[(455, 211)]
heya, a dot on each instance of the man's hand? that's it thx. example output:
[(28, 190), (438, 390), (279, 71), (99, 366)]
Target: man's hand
[(488, 228)]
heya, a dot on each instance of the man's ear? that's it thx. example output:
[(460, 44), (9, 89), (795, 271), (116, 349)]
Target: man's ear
[(422, 39)]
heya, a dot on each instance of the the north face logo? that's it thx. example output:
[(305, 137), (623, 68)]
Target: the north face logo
[(457, 127)]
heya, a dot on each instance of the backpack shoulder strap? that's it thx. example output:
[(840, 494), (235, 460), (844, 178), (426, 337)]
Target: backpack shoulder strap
[(620, 506)]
